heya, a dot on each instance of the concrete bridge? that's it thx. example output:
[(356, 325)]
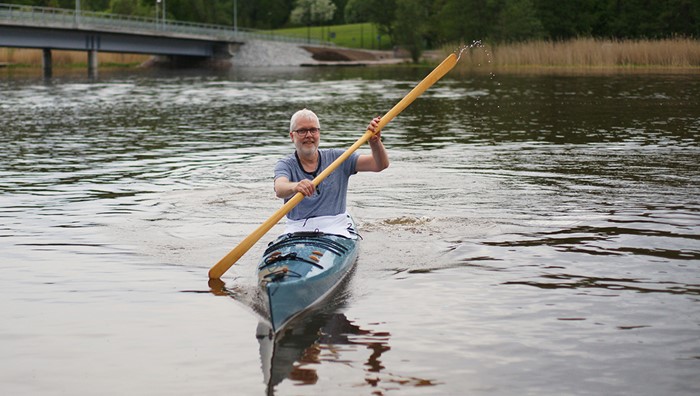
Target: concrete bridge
[(181, 42)]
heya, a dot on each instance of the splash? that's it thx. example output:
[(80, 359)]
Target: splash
[(474, 44)]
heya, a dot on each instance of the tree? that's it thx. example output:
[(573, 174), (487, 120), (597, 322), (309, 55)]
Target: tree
[(410, 27), (434, 22), (265, 14), (380, 12), (339, 16), (358, 11), (309, 12), (131, 7), (464, 20), (94, 5), (517, 21), (681, 17), (568, 19)]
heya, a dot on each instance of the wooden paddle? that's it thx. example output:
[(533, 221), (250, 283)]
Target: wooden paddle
[(227, 261)]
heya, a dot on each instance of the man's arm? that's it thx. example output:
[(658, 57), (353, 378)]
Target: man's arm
[(379, 160)]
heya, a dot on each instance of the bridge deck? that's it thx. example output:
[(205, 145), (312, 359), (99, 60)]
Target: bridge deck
[(25, 26)]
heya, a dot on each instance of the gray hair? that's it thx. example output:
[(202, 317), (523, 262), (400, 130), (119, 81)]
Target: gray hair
[(302, 114)]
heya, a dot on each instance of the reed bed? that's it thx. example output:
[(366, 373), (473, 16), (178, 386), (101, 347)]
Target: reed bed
[(581, 55), (19, 57), (585, 54)]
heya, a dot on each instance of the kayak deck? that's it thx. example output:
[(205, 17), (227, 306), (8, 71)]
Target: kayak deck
[(299, 270)]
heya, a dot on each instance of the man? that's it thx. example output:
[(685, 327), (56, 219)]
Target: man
[(323, 208)]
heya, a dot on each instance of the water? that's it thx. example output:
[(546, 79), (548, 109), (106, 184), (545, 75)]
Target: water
[(533, 235)]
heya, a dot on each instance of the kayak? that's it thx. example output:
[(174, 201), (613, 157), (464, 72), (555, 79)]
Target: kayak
[(299, 270)]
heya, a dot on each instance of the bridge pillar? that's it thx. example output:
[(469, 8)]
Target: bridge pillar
[(46, 63), (92, 63)]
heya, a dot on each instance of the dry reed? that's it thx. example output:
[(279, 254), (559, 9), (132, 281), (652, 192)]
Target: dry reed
[(33, 58), (586, 54)]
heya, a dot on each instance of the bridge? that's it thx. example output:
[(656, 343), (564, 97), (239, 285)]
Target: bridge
[(62, 29)]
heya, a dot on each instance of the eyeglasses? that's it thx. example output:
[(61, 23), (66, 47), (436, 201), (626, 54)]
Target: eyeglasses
[(304, 131)]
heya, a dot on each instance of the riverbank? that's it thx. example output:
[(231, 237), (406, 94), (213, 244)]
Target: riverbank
[(583, 56), (257, 53)]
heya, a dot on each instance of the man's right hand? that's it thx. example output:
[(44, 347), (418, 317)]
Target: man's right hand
[(305, 187)]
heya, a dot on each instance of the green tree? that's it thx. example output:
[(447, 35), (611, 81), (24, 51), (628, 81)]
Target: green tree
[(563, 19), (131, 7), (518, 21), (200, 11), (681, 17), (311, 12), (358, 11), (265, 14), (464, 20), (380, 12), (94, 5), (411, 26), (437, 21), (339, 16)]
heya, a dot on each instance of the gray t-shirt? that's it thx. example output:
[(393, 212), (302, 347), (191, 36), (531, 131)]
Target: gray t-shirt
[(330, 196)]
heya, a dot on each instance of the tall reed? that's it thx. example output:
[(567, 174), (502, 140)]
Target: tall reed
[(586, 53), (33, 57)]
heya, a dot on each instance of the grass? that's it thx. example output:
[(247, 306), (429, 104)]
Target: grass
[(354, 35), (586, 54)]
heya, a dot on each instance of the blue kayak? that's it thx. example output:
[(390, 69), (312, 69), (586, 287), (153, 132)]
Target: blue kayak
[(299, 270)]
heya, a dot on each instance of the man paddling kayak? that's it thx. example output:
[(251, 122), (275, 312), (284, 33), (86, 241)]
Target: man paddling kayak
[(229, 259), (323, 208)]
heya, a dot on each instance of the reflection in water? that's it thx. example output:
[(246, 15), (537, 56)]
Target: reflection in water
[(320, 337), (324, 338), (591, 240), (570, 281)]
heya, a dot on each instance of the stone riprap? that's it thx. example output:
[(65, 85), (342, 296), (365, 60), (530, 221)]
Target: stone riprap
[(260, 53)]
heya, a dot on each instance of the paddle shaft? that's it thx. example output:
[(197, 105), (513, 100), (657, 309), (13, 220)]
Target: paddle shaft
[(227, 261)]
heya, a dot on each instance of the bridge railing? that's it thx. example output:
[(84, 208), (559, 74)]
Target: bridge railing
[(100, 21)]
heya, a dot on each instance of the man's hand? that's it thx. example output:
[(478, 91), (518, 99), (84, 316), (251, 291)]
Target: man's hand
[(286, 189), (373, 125), (305, 187)]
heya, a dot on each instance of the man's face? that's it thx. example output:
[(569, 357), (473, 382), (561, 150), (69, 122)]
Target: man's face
[(306, 143)]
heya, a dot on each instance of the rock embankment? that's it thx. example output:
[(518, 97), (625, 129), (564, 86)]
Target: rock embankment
[(269, 53), (259, 53)]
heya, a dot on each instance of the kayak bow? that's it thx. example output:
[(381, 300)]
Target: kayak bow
[(299, 270)]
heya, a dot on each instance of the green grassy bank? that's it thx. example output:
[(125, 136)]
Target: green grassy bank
[(355, 35)]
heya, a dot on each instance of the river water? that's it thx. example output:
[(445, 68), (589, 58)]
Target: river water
[(534, 234)]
